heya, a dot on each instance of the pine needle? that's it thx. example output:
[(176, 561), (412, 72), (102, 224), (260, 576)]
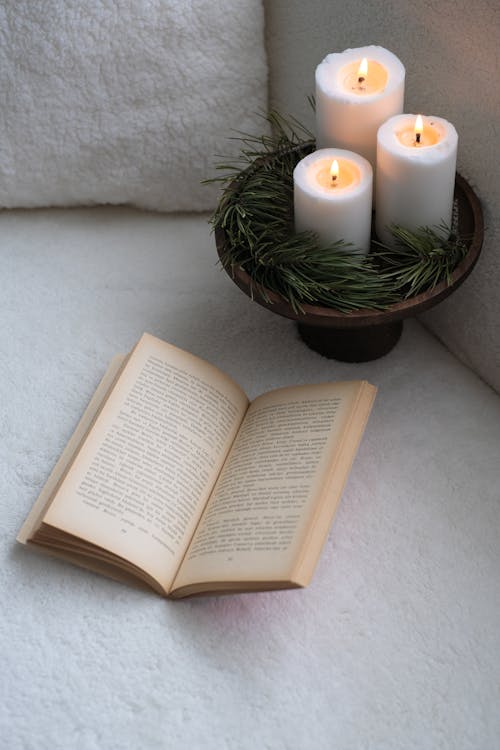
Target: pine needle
[(255, 212)]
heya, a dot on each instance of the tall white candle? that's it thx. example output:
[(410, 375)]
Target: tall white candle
[(356, 91), (416, 163), (333, 197)]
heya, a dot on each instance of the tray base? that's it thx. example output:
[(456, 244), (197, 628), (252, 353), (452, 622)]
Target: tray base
[(352, 344)]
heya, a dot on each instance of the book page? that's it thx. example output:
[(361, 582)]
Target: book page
[(141, 479), (45, 497), (261, 509)]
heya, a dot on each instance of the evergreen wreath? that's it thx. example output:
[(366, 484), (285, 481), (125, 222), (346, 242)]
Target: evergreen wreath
[(255, 214)]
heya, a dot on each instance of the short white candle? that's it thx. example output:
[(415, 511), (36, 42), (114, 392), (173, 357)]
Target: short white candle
[(334, 200), (415, 181), (356, 91)]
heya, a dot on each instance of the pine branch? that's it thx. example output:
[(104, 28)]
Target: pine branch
[(255, 212), (421, 259)]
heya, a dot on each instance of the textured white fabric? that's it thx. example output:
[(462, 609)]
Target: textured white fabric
[(125, 101), (447, 48), (394, 646)]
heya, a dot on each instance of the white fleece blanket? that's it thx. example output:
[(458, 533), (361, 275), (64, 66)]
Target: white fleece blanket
[(125, 101), (396, 643)]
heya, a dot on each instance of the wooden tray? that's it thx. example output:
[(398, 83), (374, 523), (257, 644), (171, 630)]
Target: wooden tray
[(363, 335)]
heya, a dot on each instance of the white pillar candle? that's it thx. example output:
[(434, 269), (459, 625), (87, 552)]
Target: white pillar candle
[(356, 91), (416, 163), (333, 197)]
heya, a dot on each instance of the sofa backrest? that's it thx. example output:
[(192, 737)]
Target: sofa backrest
[(125, 102)]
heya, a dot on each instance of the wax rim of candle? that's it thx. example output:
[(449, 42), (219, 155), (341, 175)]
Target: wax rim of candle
[(429, 136), (327, 72), (348, 170), (300, 174), (387, 137), (377, 76)]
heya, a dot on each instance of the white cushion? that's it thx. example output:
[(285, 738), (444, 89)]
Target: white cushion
[(125, 101)]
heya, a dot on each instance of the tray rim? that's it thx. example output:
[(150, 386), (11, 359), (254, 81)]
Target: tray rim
[(317, 315)]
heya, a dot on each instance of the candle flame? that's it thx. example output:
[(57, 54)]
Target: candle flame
[(363, 68), (334, 170), (419, 125)]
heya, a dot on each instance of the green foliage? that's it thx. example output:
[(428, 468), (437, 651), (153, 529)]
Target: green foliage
[(256, 214), (420, 259)]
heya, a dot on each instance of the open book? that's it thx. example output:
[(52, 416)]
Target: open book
[(175, 480)]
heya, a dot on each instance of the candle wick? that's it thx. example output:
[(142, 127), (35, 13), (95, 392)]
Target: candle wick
[(361, 79), (417, 137), (334, 177)]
